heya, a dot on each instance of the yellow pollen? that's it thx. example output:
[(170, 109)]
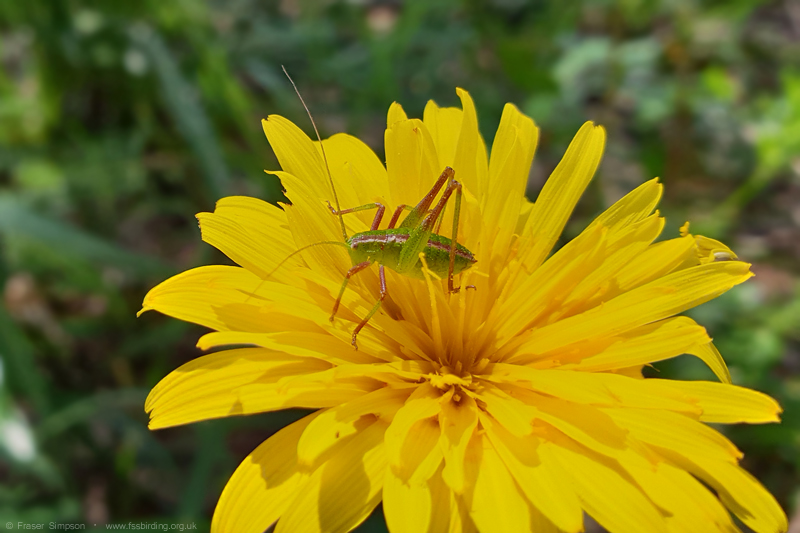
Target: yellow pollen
[(445, 380)]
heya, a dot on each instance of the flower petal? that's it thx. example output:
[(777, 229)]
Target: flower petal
[(600, 389), (497, 505), (264, 484), (415, 503), (738, 490), (676, 432), (647, 344), (509, 166), (458, 422), (561, 192), (342, 492), (444, 124), (302, 340), (358, 174), (605, 492), (469, 172), (206, 387), (654, 301), (347, 419), (723, 403), (212, 296), (297, 154), (424, 403), (250, 231), (411, 161), (543, 485), (689, 504)]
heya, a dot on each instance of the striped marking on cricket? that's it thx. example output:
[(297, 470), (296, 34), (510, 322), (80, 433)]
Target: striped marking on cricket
[(438, 242)]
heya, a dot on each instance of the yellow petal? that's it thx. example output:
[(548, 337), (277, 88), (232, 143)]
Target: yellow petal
[(422, 404), (632, 207), (522, 305), (260, 490), (654, 301), (411, 161), (458, 423), (656, 261), (206, 387), (297, 154), (709, 250), (601, 389), (605, 493), (302, 340), (709, 354), (396, 114), (562, 191), (543, 485), (212, 296), (647, 344), (515, 140), (312, 222), (496, 503), (252, 233), (676, 432), (342, 492), (444, 124), (624, 246), (621, 230), (358, 174), (509, 166), (689, 505), (304, 390), (418, 503), (347, 419), (738, 490), (585, 424), (514, 416), (470, 143), (723, 403)]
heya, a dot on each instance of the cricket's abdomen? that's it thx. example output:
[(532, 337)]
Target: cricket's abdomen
[(384, 247)]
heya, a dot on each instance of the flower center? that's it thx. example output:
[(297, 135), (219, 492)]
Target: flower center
[(444, 379), (447, 377)]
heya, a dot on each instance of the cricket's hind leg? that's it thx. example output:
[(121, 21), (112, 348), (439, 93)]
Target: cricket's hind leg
[(453, 238), (374, 309)]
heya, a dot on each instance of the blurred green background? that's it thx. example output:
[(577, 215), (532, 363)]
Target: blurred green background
[(120, 120)]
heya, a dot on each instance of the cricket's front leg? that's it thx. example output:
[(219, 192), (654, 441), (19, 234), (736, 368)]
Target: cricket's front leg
[(355, 269), (374, 309), (396, 215), (375, 205)]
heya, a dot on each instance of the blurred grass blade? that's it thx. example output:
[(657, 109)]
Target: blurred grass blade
[(16, 354), (87, 409), (183, 104), (17, 220)]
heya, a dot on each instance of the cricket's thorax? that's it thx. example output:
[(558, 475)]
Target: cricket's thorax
[(384, 247)]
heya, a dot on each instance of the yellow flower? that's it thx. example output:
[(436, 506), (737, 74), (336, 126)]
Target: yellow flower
[(517, 406)]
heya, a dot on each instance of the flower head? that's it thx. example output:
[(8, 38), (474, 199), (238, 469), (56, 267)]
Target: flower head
[(517, 406)]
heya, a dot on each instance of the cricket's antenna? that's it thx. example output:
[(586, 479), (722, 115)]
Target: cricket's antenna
[(306, 247), (324, 157), (283, 262)]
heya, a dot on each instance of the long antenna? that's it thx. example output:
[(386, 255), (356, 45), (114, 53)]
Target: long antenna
[(306, 247), (324, 157)]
